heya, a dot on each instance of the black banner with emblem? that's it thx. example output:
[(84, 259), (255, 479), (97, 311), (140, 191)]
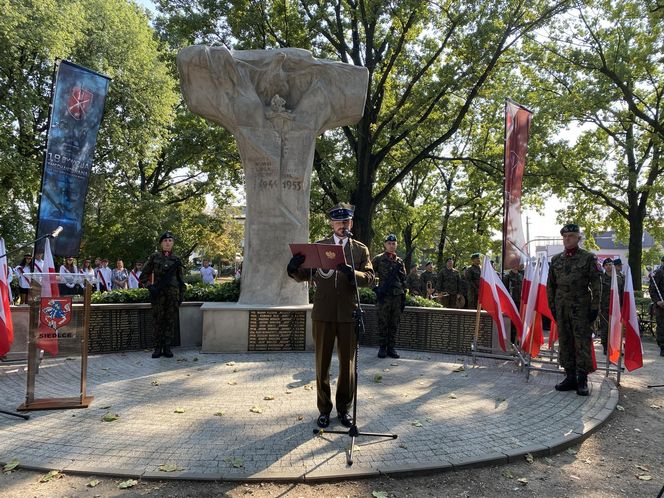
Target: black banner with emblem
[(77, 110)]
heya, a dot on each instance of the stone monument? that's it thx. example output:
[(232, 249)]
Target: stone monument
[(275, 103)]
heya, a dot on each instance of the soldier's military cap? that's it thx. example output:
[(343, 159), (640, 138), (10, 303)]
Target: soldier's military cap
[(341, 212), (430, 263), (390, 238), (475, 255), (449, 259), (166, 235), (617, 262), (662, 259), (607, 261), (570, 228)]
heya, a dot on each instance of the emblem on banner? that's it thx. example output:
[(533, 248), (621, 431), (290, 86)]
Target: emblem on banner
[(55, 312), (79, 102)]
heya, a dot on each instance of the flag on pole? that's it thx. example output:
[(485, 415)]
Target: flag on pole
[(48, 339), (542, 303), (496, 300), (6, 324), (633, 346), (525, 287), (530, 315), (615, 328)]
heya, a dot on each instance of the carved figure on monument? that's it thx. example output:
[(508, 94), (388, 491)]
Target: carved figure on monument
[(275, 103)]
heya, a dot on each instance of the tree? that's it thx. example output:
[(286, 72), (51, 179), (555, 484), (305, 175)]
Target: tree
[(603, 69)]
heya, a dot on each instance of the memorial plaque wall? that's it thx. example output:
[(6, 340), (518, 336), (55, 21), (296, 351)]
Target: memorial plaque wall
[(277, 330), (436, 330)]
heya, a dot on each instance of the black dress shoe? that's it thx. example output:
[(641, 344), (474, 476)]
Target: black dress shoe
[(323, 420), (661, 351), (392, 353), (382, 352), (166, 351), (345, 419), (157, 352)]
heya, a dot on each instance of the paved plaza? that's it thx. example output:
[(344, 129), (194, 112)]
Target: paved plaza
[(251, 416)]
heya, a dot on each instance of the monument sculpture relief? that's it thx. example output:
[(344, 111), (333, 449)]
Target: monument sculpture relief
[(275, 103)]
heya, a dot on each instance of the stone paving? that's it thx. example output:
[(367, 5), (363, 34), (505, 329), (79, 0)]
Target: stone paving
[(445, 417)]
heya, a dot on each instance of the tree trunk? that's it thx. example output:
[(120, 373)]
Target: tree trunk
[(408, 246)]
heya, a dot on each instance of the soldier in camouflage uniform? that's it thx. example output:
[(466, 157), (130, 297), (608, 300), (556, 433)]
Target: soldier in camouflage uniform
[(513, 281), (428, 280), (472, 277), (449, 284), (391, 272), (604, 295), (656, 290), (164, 277), (413, 283), (573, 295)]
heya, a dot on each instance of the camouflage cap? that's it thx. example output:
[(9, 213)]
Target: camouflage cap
[(390, 238), (570, 228), (341, 212)]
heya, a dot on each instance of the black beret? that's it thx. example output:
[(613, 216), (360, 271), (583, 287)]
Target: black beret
[(617, 261), (475, 255), (449, 259), (662, 259), (341, 212), (607, 261), (570, 228), (166, 235), (430, 263), (390, 238)]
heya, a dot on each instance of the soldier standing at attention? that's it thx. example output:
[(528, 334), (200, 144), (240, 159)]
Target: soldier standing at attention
[(449, 284), (166, 293), (656, 290), (513, 281), (413, 283), (391, 293), (332, 316), (604, 299), (472, 275), (617, 266), (428, 280), (573, 295)]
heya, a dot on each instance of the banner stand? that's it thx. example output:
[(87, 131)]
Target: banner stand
[(81, 401)]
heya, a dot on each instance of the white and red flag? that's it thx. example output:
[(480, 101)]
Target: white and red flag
[(48, 339), (542, 303), (532, 324), (6, 324), (496, 300), (615, 328), (633, 346)]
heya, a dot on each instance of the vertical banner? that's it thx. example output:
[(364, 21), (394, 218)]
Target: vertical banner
[(517, 129), (77, 109)]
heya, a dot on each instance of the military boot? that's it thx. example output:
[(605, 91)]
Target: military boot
[(382, 352), (166, 351), (661, 351), (569, 382), (582, 384), (157, 352)]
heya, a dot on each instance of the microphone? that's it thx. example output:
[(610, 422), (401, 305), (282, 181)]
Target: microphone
[(347, 232), (57, 231)]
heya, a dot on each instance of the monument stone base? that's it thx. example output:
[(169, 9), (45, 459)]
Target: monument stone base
[(233, 328)]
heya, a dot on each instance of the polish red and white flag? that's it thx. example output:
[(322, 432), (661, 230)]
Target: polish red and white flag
[(532, 323), (633, 345), (6, 324), (615, 328), (496, 300), (48, 340)]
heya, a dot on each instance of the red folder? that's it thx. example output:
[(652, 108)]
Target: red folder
[(323, 256)]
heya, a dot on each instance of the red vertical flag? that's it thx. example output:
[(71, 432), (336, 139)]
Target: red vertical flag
[(633, 346), (6, 324), (615, 329), (517, 129), (48, 339)]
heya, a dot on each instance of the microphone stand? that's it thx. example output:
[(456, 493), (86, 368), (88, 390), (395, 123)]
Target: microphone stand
[(51, 235), (358, 315)]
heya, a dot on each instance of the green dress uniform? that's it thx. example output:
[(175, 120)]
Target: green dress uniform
[(332, 316), (449, 284), (391, 273), (473, 274), (604, 300), (657, 282), (171, 293), (573, 294)]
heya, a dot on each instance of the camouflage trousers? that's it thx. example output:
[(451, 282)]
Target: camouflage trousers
[(472, 299), (449, 300), (389, 317), (603, 326), (574, 335), (659, 320), (164, 316)]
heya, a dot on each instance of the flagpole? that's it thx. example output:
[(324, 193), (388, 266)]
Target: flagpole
[(477, 329), (620, 358), (504, 242)]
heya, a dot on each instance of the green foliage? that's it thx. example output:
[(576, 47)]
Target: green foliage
[(224, 292), (121, 296)]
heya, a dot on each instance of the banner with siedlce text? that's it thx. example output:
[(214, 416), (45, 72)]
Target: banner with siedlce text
[(77, 110)]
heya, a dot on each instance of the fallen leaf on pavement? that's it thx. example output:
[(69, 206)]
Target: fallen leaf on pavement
[(93, 483), (644, 477), (110, 417), (53, 474), (11, 465), (379, 494), (529, 458), (378, 378), (620, 408), (129, 483), (178, 409), (170, 467), (522, 480), (452, 396), (219, 414), (256, 409), (236, 462), (268, 398)]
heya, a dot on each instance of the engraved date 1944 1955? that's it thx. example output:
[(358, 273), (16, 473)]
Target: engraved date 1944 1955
[(286, 184)]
